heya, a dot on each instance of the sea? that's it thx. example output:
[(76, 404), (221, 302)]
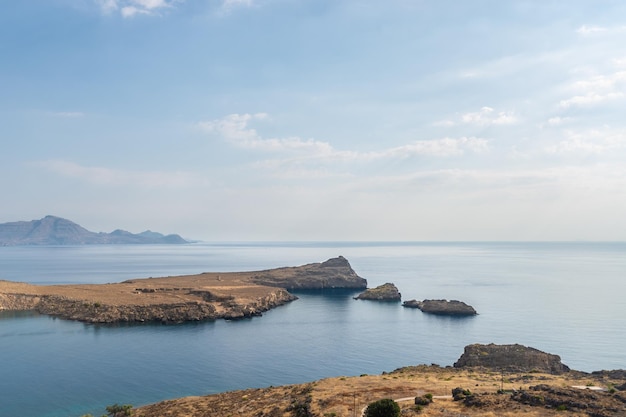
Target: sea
[(567, 299)]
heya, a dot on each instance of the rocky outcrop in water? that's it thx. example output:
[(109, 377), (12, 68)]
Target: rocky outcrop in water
[(385, 292), (510, 358), (333, 273), (442, 307)]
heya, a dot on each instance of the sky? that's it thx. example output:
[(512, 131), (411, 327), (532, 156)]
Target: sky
[(317, 120)]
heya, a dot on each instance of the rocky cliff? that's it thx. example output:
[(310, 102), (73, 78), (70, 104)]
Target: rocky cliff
[(333, 273), (511, 358), (53, 230)]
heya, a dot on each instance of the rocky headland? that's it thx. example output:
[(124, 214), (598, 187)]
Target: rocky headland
[(385, 292), (206, 296), (511, 358), (334, 273), (442, 307)]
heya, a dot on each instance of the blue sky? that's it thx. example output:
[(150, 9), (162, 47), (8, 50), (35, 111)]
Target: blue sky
[(316, 119)]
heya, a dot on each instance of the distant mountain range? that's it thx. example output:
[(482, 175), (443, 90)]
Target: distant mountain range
[(53, 230)]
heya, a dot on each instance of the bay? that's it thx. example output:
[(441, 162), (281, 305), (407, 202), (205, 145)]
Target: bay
[(563, 298)]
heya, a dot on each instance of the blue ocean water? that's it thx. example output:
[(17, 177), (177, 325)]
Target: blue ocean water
[(563, 298)]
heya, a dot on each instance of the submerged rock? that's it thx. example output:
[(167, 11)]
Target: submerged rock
[(512, 358), (385, 292), (443, 307)]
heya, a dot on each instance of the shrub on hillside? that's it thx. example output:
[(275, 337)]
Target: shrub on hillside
[(383, 408)]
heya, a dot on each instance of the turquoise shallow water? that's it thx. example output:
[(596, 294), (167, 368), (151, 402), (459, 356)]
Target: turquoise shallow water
[(563, 298)]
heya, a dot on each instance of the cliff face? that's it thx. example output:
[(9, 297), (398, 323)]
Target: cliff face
[(53, 230), (516, 358), (164, 313), (334, 273)]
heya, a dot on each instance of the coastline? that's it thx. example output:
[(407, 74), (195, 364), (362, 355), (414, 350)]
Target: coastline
[(177, 299)]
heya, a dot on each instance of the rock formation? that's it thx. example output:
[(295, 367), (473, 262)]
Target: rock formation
[(334, 273), (385, 292), (510, 358), (442, 307)]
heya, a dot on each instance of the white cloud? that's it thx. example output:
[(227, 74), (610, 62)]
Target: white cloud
[(229, 5), (488, 116), (130, 8), (593, 141), (234, 128), (436, 147), (597, 89), (558, 121), (114, 177), (590, 99), (588, 30)]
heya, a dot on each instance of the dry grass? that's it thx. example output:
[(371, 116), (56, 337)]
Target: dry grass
[(348, 396)]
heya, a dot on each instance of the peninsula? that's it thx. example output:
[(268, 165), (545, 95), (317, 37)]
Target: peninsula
[(176, 299)]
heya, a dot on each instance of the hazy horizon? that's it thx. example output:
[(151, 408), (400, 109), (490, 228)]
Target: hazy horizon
[(317, 120)]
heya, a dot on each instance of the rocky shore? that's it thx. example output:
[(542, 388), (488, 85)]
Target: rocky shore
[(206, 296)]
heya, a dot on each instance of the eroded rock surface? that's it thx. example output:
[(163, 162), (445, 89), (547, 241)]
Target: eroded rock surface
[(442, 307), (511, 358), (334, 273), (385, 292)]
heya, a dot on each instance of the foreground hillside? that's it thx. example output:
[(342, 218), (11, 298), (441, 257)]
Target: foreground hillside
[(529, 394)]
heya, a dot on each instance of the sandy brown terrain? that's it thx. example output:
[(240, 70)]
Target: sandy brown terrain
[(206, 296), (348, 396)]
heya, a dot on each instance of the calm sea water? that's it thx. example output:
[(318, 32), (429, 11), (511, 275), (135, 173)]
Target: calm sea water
[(563, 298)]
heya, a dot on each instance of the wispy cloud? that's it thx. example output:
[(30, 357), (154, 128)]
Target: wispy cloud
[(115, 177), (229, 6), (597, 89), (486, 116), (130, 8), (234, 128), (589, 30), (593, 141)]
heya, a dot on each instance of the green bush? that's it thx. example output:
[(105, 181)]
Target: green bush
[(383, 408), (423, 400), (116, 410)]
